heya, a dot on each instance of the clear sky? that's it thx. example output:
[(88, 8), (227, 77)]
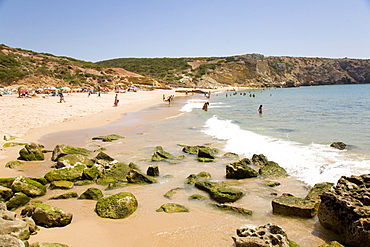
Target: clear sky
[(95, 30)]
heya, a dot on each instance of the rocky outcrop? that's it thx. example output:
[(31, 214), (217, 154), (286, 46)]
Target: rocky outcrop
[(31, 152), (117, 206), (92, 194), (153, 171), (262, 236), (345, 210), (68, 173), (240, 170), (159, 154), (172, 208), (47, 216), (136, 177), (62, 150), (220, 192), (73, 160), (28, 186)]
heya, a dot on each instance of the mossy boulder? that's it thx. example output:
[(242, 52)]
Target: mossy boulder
[(92, 173), (108, 138), (31, 152), (206, 153), (6, 182), (68, 195), (116, 173), (46, 215), (230, 155), (220, 192), (202, 176), (172, 208), (92, 194), (259, 159), (159, 154), (102, 157), (69, 173), (61, 184), (272, 169), (317, 190), (28, 186), (5, 194), (234, 209), (117, 206), (240, 170), (289, 205), (62, 150), (169, 194), (73, 160), (191, 149), (137, 177), (197, 197), (13, 164), (18, 200)]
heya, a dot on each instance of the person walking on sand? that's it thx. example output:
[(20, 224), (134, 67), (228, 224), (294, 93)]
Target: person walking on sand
[(260, 109), (61, 97), (116, 100)]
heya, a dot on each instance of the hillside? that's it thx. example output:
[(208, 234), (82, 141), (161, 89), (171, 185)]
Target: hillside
[(20, 67), (252, 70)]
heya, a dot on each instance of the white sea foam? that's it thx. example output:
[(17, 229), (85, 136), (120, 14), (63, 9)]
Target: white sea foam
[(310, 163)]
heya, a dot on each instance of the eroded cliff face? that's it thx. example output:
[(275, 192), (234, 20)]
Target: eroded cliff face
[(258, 71)]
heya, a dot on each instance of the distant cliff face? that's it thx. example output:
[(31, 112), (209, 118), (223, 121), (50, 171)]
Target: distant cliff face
[(259, 71)]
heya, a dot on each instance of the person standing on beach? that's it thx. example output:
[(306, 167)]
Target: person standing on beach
[(61, 97), (260, 109), (116, 100)]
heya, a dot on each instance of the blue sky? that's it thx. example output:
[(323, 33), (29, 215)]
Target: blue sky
[(94, 30)]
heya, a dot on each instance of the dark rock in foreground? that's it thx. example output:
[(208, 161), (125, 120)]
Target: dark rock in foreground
[(91, 194), (345, 210), (220, 192), (263, 236), (31, 152), (240, 170), (338, 145)]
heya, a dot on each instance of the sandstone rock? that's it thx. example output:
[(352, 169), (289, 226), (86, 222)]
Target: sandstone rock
[(272, 169), (62, 150), (18, 200), (259, 159), (28, 186), (10, 241), (117, 206), (116, 173), (68, 173), (338, 145), (137, 177), (172, 208), (61, 184), (108, 138), (238, 210), (263, 236), (92, 194), (159, 154), (65, 196), (73, 160), (31, 152), (240, 170), (47, 216), (153, 171), (220, 192), (345, 210), (13, 164)]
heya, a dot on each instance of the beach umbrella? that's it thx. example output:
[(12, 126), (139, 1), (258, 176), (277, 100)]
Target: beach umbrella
[(53, 88), (24, 90), (66, 88), (58, 87)]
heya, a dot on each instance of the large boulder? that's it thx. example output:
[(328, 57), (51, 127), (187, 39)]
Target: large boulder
[(272, 169), (262, 236), (307, 207), (345, 210), (68, 173), (117, 206), (137, 177), (72, 160), (220, 192), (116, 173), (62, 150), (10, 241), (338, 145), (28, 186), (46, 215), (30, 152), (240, 170), (18, 200)]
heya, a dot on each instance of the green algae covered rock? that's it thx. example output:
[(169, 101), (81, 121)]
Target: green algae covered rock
[(28, 186), (46, 215), (240, 170), (137, 177), (220, 192), (42, 244), (13, 164), (117, 206), (206, 153), (62, 150), (259, 159), (91, 173), (172, 208), (5, 194), (68, 195), (192, 178), (6, 182), (317, 190), (92, 194), (159, 154), (272, 169), (169, 194), (61, 184), (290, 205), (72, 160), (101, 156), (332, 244), (116, 173), (31, 152), (237, 210), (18, 200), (197, 197), (68, 173), (231, 155), (108, 138)]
